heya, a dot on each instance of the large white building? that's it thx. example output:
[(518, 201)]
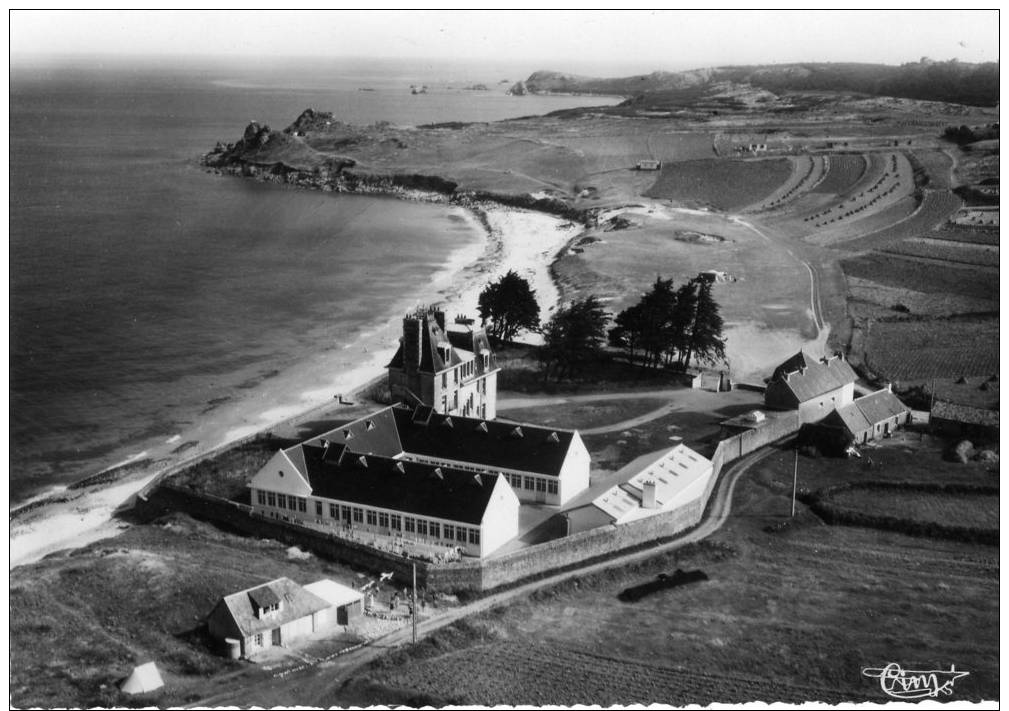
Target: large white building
[(419, 476)]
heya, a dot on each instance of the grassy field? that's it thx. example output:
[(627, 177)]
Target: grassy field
[(80, 622), (978, 510), (844, 170), (919, 349), (583, 415), (723, 184), (786, 615), (968, 236), (935, 209), (943, 250), (925, 276)]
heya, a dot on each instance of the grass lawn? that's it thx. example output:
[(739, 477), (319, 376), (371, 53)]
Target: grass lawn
[(583, 415), (722, 184), (977, 510), (79, 622)]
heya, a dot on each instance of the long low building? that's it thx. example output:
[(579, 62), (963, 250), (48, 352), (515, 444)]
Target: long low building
[(419, 476), (864, 419), (672, 481)]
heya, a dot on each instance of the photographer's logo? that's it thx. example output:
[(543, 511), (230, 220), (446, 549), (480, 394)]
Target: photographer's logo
[(908, 684)]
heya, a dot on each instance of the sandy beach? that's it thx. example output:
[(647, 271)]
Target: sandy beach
[(524, 241)]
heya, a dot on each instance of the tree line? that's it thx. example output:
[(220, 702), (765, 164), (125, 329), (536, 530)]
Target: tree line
[(668, 327)]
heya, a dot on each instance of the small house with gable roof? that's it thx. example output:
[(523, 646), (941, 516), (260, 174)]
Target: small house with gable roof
[(814, 387), (281, 612)]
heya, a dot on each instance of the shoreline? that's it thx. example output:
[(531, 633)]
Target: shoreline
[(75, 515)]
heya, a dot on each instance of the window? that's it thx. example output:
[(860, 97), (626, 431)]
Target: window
[(529, 483), (261, 497), (421, 527), (474, 536), (395, 521), (551, 487), (358, 515), (318, 508), (455, 376), (303, 505), (444, 380), (372, 518), (435, 533), (282, 501), (449, 532), (455, 400), (444, 403), (541, 485), (259, 640), (383, 520), (345, 513), (271, 499), (460, 534), (408, 524), (334, 511)]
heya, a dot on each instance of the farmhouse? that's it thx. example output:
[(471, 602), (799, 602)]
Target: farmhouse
[(813, 387), (448, 367), (281, 612), (677, 478), (865, 419)]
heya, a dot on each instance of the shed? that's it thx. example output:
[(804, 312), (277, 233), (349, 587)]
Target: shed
[(346, 603)]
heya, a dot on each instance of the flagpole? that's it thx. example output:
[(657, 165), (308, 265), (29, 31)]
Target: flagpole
[(795, 480)]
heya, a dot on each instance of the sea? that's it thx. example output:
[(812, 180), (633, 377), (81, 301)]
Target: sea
[(146, 294)]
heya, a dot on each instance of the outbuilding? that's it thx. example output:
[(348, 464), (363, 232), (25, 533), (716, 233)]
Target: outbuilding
[(280, 613)]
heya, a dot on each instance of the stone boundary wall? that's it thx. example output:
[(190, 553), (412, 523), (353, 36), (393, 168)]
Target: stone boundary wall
[(493, 572)]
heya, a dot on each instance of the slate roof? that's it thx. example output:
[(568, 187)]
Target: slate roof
[(490, 443), (376, 433), (815, 378), (398, 485), (431, 336), (866, 412), (880, 406), (295, 601)]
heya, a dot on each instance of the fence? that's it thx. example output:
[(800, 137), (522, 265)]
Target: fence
[(482, 575)]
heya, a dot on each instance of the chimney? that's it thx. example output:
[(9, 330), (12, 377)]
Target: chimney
[(412, 342), (439, 317), (648, 495)]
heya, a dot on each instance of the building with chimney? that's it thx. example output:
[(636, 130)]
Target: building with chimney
[(449, 367), (813, 387), (680, 476)]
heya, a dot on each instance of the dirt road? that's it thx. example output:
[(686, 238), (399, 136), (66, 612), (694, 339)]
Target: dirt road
[(318, 685)]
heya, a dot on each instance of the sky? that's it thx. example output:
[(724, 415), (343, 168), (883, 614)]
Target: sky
[(647, 39)]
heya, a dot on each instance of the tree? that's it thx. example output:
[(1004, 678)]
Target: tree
[(706, 341), (646, 325), (509, 304), (573, 336)]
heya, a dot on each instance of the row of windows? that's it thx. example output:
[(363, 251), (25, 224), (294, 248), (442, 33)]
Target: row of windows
[(532, 483), (282, 501), (356, 514)]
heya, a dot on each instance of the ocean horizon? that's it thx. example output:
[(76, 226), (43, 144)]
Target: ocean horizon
[(149, 296)]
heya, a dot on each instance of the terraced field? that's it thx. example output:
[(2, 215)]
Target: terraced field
[(968, 236), (919, 349), (959, 252), (925, 275), (722, 184), (935, 209), (807, 170), (844, 170), (539, 674)]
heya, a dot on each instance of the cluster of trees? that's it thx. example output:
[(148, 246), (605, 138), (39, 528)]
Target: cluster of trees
[(672, 327), (668, 327)]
